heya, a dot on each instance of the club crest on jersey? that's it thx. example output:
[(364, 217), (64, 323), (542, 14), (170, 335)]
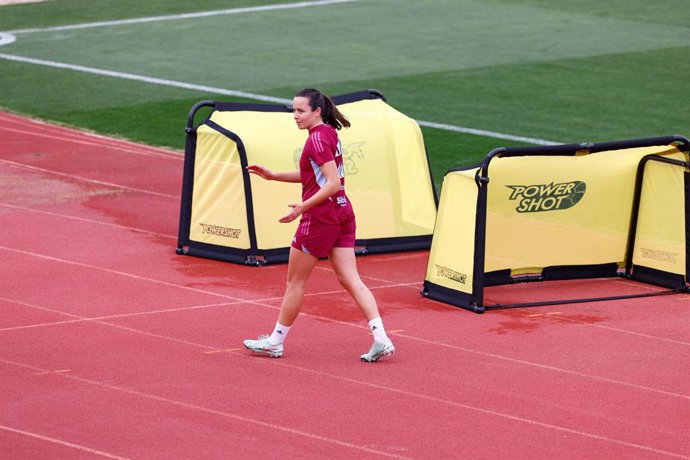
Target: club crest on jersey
[(351, 153)]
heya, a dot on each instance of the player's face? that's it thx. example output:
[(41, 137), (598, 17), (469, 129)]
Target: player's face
[(305, 117)]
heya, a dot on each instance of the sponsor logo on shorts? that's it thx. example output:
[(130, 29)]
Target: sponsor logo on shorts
[(217, 230), (657, 254), (547, 197), (446, 272)]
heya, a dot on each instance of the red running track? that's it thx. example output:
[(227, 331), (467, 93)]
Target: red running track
[(111, 345)]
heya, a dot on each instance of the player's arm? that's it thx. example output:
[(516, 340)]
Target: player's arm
[(284, 176), (330, 188)]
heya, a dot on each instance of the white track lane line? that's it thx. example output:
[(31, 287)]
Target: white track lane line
[(58, 441), (210, 410), (434, 399), (121, 273), (391, 389), (21, 123), (495, 356), (84, 179), (103, 319), (99, 141), (84, 319), (412, 285), (407, 336), (90, 221), (381, 387), (478, 409), (611, 328)]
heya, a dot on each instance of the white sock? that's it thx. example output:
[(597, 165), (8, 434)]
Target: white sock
[(279, 334), (376, 326)]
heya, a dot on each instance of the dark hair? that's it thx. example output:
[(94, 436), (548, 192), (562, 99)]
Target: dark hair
[(329, 112)]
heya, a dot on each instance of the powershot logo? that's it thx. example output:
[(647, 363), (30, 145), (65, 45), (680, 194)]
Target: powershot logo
[(547, 197), (217, 230), (446, 272), (657, 254)]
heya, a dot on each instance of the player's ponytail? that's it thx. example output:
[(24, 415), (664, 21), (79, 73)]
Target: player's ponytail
[(329, 111), (332, 115)]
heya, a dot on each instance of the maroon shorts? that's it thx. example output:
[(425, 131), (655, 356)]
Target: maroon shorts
[(317, 238)]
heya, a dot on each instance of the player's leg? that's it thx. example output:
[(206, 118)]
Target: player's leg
[(344, 264), (300, 266), (345, 267)]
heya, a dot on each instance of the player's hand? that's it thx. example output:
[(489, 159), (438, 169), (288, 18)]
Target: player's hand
[(261, 171), (294, 213)]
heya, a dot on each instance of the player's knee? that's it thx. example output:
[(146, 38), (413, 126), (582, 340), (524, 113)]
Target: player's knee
[(295, 282), (350, 283)]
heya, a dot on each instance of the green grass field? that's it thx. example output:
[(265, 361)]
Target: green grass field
[(563, 71)]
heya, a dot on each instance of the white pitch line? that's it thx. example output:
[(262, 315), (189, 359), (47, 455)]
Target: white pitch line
[(143, 78), (242, 94), (175, 17), (485, 133), (6, 38), (254, 96), (9, 37)]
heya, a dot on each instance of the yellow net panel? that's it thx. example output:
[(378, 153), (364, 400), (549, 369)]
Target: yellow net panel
[(451, 260), (386, 176), (660, 238), (561, 210), (568, 213)]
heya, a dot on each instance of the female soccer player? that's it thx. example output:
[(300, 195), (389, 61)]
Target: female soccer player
[(326, 227)]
